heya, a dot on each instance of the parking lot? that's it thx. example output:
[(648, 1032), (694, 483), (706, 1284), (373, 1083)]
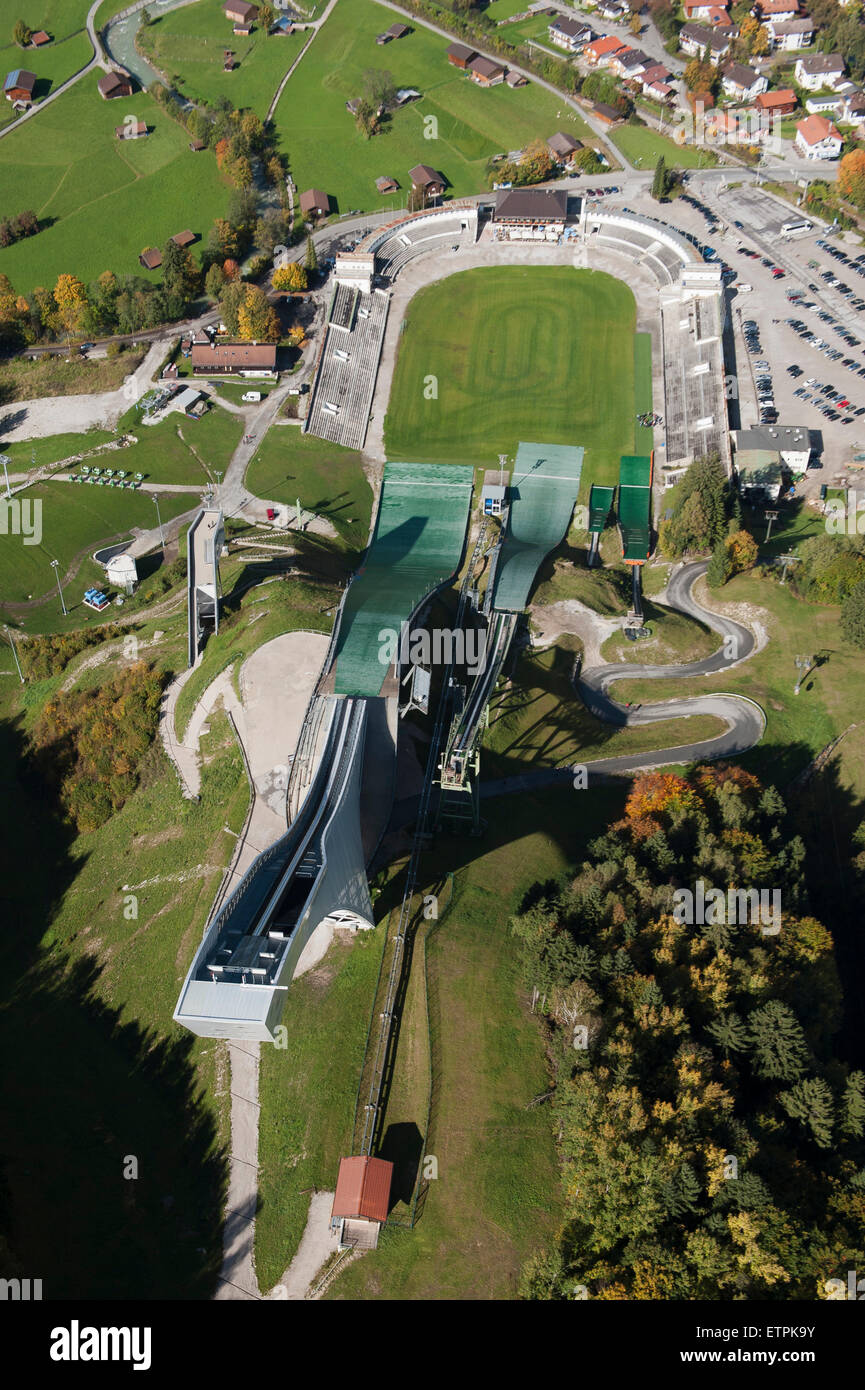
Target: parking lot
[(808, 308)]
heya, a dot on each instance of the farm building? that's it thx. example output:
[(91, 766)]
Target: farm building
[(115, 84), (460, 56), (184, 238), (398, 31), (386, 185), (361, 1200), (314, 203), (131, 130), (196, 145), (427, 181), (215, 358), (485, 72), (151, 259), (40, 38), (516, 79), (19, 86), (241, 12)]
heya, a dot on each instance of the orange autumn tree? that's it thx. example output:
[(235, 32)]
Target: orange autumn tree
[(851, 177)]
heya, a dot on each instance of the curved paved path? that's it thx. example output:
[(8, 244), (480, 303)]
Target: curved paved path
[(744, 718)]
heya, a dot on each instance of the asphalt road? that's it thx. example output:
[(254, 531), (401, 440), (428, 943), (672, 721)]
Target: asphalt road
[(744, 719)]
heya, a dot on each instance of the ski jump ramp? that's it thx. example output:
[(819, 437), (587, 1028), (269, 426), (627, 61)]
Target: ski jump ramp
[(541, 496), (316, 871)]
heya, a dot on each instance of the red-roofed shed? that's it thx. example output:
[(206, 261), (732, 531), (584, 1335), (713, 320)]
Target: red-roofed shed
[(361, 1200)]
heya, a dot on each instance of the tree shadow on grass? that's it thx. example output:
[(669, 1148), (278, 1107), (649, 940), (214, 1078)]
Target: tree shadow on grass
[(111, 1176)]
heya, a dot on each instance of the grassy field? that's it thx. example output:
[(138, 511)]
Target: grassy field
[(39, 453), (496, 1196), (107, 199), (327, 151), (328, 480), (797, 726), (52, 64), (188, 43), (181, 450), (75, 519), (539, 721), (307, 1093), (519, 354), (28, 379), (643, 147), (674, 638)]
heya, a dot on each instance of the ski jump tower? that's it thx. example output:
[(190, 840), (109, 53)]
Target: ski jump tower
[(205, 539)]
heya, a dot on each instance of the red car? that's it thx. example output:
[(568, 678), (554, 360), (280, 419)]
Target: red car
[(777, 273), (271, 514)]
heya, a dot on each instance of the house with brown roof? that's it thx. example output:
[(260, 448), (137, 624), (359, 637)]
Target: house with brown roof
[(460, 56), (19, 86), (485, 72), (196, 145), (314, 203), (697, 39), (790, 34), (113, 84), (219, 358), (241, 12), (564, 147), (398, 31), (427, 181), (131, 130), (361, 1201), (384, 185), (151, 259), (40, 38), (185, 238), (608, 114), (742, 82), (515, 79)]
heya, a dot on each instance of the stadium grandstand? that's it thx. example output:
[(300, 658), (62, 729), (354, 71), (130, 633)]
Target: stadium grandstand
[(400, 242), (695, 400), (347, 366)]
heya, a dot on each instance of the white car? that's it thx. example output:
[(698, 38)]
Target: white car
[(251, 396)]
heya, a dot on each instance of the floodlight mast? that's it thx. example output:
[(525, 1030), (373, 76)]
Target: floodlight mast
[(55, 566)]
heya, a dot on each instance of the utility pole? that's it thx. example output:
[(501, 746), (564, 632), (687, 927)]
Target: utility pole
[(55, 566), (4, 459), (770, 517), (159, 519), (786, 561), (14, 653)]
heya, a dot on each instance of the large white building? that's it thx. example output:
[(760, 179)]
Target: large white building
[(820, 71), (817, 138)]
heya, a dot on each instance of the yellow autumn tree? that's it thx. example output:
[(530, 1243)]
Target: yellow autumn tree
[(70, 296)]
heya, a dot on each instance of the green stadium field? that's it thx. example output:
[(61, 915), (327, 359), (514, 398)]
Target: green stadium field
[(520, 353)]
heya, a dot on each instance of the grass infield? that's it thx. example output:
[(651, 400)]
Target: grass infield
[(495, 355)]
